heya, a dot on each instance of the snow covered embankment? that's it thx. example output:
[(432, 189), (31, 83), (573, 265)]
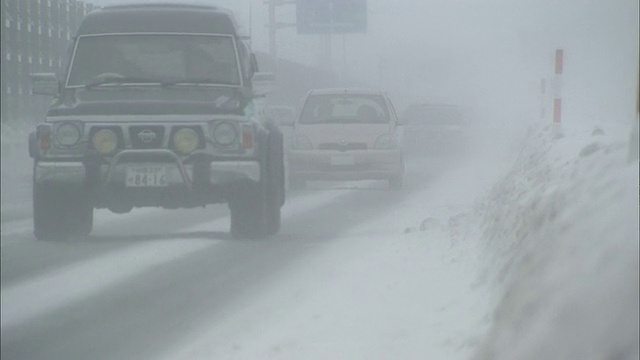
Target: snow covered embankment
[(563, 229)]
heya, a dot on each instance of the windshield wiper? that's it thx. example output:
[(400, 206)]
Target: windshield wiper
[(206, 81), (119, 80)]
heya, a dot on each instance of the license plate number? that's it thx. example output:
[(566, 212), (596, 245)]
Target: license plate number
[(146, 176), (343, 160)]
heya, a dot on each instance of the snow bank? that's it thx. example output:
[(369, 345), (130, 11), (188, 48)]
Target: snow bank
[(14, 136), (563, 229), (16, 167)]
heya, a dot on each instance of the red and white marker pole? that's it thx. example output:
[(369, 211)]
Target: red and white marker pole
[(543, 97), (557, 100)]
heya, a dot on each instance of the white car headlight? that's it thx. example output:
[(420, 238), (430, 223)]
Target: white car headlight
[(384, 141), (68, 134), (302, 142)]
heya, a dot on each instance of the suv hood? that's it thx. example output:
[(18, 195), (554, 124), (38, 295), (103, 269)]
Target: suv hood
[(147, 118), (149, 101)]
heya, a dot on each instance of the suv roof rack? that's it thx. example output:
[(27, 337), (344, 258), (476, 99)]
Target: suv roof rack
[(168, 5), (159, 17)]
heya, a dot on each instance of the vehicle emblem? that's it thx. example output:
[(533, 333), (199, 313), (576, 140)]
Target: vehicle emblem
[(343, 143), (146, 136)]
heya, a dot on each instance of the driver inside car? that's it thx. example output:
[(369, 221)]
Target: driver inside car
[(199, 65), (366, 113), (324, 112)]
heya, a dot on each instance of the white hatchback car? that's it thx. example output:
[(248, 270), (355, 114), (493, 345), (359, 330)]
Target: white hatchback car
[(346, 134)]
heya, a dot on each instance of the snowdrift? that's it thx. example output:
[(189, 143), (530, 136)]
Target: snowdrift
[(563, 228), (16, 169)]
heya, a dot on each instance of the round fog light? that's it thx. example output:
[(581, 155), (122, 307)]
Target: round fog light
[(186, 140), (105, 141)]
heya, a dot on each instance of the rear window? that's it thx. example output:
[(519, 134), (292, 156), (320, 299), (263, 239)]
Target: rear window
[(345, 109)]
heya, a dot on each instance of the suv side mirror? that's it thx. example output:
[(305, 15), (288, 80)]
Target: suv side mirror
[(44, 84), (254, 64), (402, 121), (263, 83)]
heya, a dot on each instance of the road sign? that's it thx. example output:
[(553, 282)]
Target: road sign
[(331, 16)]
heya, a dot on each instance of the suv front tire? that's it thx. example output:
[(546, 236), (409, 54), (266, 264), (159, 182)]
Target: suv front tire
[(256, 208), (60, 212)]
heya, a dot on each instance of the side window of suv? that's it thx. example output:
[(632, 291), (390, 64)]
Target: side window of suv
[(245, 61)]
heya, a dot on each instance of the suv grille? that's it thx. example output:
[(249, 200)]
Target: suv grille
[(146, 137)]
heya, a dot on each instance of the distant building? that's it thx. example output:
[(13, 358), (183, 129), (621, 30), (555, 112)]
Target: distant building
[(36, 35)]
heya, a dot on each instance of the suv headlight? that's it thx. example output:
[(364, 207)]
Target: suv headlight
[(68, 134), (186, 140), (225, 134), (105, 141), (384, 142), (302, 142)]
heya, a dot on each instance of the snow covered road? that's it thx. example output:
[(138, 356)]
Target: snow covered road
[(447, 268), (349, 260)]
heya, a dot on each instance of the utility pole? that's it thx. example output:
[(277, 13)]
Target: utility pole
[(272, 30), (328, 45), (274, 25), (344, 58), (327, 55)]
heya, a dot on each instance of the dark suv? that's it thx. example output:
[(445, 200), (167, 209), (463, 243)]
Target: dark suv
[(155, 107)]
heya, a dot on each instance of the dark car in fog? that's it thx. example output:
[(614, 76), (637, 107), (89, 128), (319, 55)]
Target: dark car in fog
[(436, 128), (156, 109)]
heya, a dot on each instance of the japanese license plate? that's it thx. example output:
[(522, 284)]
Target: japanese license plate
[(146, 176), (343, 160)]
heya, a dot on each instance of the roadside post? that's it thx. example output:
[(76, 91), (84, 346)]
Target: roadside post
[(543, 98), (556, 109), (557, 100), (634, 142)]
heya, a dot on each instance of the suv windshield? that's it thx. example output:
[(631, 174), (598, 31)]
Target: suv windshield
[(351, 109), (154, 58)]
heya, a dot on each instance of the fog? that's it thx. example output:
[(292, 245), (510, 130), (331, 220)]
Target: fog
[(487, 53)]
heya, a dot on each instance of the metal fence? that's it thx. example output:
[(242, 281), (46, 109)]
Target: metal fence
[(36, 35)]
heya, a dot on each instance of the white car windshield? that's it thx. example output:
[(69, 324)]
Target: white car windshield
[(345, 109), (148, 58)]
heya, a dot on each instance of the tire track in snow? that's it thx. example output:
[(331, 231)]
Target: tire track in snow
[(24, 301)]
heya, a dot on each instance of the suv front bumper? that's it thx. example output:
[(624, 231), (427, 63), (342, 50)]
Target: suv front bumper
[(114, 173)]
